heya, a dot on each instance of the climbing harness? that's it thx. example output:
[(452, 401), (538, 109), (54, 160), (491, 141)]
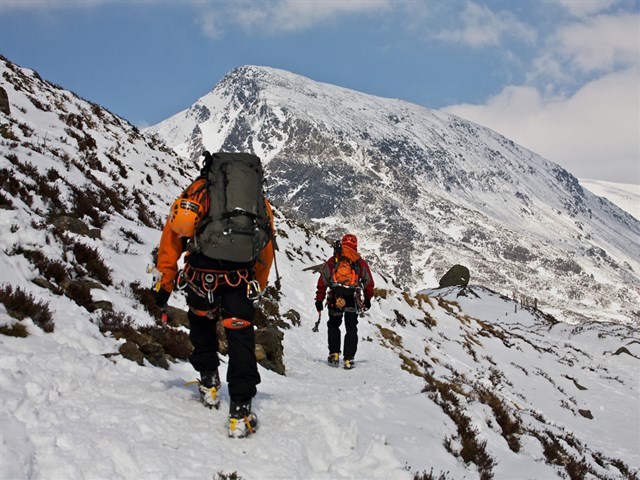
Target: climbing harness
[(205, 282)]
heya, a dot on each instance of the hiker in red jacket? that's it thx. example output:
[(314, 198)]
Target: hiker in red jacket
[(348, 277)]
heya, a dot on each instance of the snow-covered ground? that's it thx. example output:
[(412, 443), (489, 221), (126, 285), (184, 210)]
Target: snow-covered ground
[(624, 195)]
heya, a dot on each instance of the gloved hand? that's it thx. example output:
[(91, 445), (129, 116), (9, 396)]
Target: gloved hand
[(318, 305), (161, 297), (367, 304)]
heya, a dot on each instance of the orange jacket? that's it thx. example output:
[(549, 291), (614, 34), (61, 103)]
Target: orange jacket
[(172, 246)]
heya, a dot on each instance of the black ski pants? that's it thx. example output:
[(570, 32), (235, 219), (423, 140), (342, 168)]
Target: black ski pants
[(242, 373), (350, 336)]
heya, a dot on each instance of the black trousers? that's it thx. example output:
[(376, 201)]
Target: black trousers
[(242, 374), (351, 335)]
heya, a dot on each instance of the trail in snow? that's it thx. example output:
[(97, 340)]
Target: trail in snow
[(82, 415)]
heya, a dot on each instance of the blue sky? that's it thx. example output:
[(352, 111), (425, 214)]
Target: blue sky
[(561, 77)]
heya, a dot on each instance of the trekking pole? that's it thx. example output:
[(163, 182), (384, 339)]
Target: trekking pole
[(315, 327)]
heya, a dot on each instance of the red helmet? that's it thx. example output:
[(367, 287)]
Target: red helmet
[(350, 240)]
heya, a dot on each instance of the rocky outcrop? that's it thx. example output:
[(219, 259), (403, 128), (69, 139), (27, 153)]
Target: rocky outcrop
[(458, 275)]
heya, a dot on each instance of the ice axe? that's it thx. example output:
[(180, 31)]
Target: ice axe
[(315, 327)]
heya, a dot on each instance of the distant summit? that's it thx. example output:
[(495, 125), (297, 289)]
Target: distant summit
[(424, 189)]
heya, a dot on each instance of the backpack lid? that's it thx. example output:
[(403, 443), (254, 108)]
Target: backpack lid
[(350, 253)]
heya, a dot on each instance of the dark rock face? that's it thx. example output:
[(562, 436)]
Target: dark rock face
[(4, 102), (458, 275)]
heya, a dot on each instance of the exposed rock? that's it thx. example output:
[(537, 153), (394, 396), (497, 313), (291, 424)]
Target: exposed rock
[(622, 350), (578, 386), (154, 353), (130, 351), (177, 317), (293, 316), (103, 305), (4, 102), (44, 283), (457, 275), (223, 346), (270, 340)]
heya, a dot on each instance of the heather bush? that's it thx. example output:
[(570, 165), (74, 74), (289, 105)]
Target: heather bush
[(93, 262), (50, 269), (21, 304)]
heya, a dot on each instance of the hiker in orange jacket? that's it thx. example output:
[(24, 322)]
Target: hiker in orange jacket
[(348, 278), (214, 289)]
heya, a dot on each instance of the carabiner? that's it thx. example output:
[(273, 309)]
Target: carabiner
[(181, 281), (253, 290)]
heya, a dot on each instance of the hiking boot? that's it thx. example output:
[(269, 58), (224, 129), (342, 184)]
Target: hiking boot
[(242, 421), (349, 363), (333, 359), (209, 385)]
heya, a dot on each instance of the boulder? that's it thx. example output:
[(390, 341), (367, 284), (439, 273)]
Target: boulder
[(131, 351), (458, 275)]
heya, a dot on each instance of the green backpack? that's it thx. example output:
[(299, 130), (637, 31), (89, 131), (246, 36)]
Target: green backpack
[(236, 227)]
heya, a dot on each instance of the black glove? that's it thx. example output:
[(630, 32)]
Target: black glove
[(161, 297), (318, 305), (367, 304)]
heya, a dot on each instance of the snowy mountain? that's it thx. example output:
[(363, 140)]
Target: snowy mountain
[(425, 190), (450, 383)]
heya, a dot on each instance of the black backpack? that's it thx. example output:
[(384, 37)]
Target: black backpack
[(237, 226)]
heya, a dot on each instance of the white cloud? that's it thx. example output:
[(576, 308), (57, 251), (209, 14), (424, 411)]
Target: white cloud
[(68, 4), (580, 106), (483, 27), (594, 133), (291, 15), (598, 44)]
